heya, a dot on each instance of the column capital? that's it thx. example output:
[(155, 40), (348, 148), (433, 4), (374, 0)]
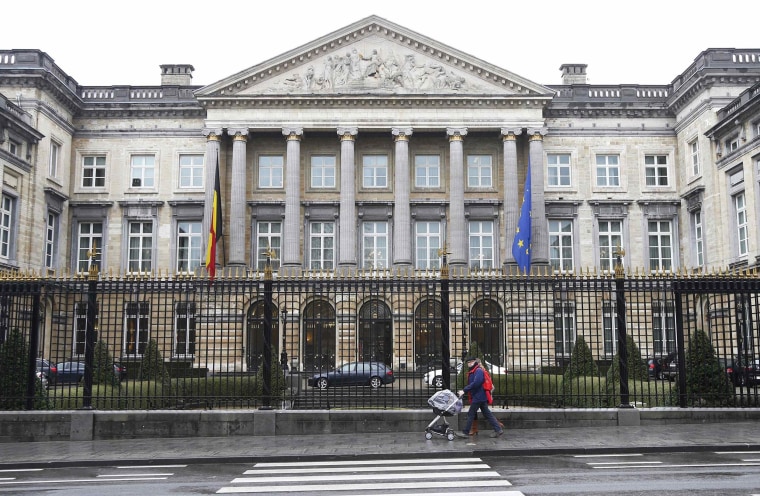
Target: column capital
[(212, 134), (511, 133), (347, 133), (456, 133), (402, 133), (238, 134), (292, 133), (537, 133)]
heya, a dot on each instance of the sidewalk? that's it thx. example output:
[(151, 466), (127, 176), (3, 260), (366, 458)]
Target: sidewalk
[(740, 436)]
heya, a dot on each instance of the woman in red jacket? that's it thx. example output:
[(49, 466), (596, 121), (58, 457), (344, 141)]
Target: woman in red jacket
[(478, 399)]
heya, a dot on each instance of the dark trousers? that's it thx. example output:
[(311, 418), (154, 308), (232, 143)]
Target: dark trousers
[(483, 407)]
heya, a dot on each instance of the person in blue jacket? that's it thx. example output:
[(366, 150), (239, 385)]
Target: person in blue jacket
[(478, 399)]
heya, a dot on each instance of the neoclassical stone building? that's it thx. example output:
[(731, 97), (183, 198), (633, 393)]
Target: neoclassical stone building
[(374, 147)]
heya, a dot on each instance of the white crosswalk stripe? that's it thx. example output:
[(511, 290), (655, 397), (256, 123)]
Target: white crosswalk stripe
[(396, 477)]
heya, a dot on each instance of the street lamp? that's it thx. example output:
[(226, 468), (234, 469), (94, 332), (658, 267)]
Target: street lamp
[(465, 315), (283, 353)]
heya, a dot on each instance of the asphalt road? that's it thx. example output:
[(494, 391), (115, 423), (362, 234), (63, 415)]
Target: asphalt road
[(628, 474)]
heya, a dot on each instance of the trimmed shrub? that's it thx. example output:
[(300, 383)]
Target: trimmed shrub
[(637, 371), (102, 366), (581, 385), (14, 366), (707, 384)]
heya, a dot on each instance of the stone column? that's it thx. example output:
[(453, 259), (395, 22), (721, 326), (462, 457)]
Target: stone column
[(237, 197), (458, 235), (347, 247), (213, 145), (512, 199), (540, 226), (402, 218), (291, 249)]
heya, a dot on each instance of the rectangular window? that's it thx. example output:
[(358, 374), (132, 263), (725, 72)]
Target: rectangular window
[(561, 245), (136, 327), (694, 151), (322, 245), (564, 327), (608, 170), (51, 241), (7, 226), (609, 322), (481, 244), (90, 236), (140, 256), (375, 171), (93, 172), (698, 243), (143, 171), (14, 147), (185, 320), (742, 225), (189, 239), (660, 245), (663, 327), (375, 245), (656, 170), (55, 157), (268, 237), (271, 170), (427, 171), (80, 327), (428, 243), (322, 171), (558, 169), (732, 144), (610, 240), (191, 170), (479, 171)]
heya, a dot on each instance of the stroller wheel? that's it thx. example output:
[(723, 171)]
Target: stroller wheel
[(428, 436), (450, 436)]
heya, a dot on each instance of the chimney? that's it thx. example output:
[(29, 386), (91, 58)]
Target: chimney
[(177, 74), (573, 73)]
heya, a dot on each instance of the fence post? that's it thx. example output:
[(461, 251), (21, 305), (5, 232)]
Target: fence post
[(680, 341), (89, 337), (625, 401), (445, 338), (267, 375), (34, 333)]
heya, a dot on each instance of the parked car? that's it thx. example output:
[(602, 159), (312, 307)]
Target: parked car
[(372, 374), (670, 366), (73, 372), (434, 378), (654, 368), (735, 370), (752, 372), (48, 370)]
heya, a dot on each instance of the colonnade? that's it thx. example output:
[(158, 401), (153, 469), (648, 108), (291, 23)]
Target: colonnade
[(402, 225)]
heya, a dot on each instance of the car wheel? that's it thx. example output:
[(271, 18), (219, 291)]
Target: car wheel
[(437, 381), (321, 383), (375, 382)]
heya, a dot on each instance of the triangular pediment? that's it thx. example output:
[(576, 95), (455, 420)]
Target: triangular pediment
[(373, 57)]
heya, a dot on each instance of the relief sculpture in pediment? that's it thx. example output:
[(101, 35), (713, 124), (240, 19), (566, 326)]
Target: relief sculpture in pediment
[(354, 72)]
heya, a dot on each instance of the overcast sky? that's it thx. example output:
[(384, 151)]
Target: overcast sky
[(124, 43)]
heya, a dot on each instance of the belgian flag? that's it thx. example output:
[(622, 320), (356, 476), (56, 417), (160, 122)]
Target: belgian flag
[(215, 227)]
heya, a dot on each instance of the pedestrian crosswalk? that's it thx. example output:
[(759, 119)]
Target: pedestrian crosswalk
[(397, 477)]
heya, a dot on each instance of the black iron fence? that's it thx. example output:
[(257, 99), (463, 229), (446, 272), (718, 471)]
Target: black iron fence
[(376, 339)]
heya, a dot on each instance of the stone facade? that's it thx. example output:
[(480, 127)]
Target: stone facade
[(373, 148)]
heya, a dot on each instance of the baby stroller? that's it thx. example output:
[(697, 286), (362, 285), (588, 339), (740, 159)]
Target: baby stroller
[(445, 404)]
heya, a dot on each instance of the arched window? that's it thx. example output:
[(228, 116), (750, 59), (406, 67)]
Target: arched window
[(319, 336), (375, 339), (486, 329), (254, 335), (427, 335)]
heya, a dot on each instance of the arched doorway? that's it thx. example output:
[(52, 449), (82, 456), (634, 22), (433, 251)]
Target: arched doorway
[(319, 336), (375, 339), (486, 324), (427, 335), (254, 335)]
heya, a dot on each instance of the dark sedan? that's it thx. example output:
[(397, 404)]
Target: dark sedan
[(73, 372), (654, 368), (372, 374)]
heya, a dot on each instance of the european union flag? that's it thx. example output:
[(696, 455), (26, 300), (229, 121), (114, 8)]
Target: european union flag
[(521, 243)]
